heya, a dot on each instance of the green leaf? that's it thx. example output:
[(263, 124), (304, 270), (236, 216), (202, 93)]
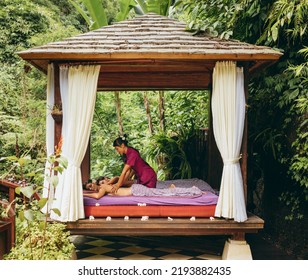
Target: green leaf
[(56, 211), (42, 225), (42, 202), (125, 7), (40, 216), (30, 174), (54, 180), (27, 191), (59, 169), (21, 216), (29, 214), (143, 6), (37, 189), (17, 190), (10, 158), (63, 161), (24, 160), (97, 13), (83, 14), (274, 30)]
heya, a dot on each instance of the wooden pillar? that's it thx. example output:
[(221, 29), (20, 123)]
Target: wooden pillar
[(244, 153), (58, 102), (85, 165)]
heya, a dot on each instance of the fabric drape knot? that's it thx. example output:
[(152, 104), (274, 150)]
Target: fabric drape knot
[(231, 161), (73, 164)]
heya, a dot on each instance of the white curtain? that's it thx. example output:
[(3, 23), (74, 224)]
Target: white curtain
[(48, 191), (78, 101), (228, 111)]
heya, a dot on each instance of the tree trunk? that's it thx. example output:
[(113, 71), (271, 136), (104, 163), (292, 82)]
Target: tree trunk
[(148, 112), (118, 108), (161, 107)]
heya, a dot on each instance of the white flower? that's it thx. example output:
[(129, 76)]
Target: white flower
[(108, 218), (126, 218), (193, 218), (91, 218)]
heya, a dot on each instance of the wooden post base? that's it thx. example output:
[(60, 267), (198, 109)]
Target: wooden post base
[(236, 250)]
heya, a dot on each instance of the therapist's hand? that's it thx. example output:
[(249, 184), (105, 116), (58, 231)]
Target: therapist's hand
[(114, 188)]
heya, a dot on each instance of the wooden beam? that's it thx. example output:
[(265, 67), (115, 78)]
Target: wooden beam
[(140, 80), (163, 227), (217, 55)]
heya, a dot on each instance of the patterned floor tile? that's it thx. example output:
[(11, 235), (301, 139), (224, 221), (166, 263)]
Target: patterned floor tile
[(160, 248), (155, 253), (167, 250), (100, 242), (98, 250), (117, 254), (209, 257), (135, 248), (116, 245), (137, 257), (175, 257), (81, 255)]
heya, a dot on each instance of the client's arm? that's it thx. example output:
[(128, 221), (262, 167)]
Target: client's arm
[(100, 193)]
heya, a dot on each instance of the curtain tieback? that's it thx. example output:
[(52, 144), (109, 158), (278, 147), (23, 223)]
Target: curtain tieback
[(72, 164), (232, 161)]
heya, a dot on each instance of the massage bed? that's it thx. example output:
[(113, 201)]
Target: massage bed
[(156, 206)]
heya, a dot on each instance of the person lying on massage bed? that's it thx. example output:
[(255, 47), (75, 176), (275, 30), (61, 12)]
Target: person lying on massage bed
[(140, 190), (128, 180), (94, 184)]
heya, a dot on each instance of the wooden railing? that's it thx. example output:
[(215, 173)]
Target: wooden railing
[(7, 226)]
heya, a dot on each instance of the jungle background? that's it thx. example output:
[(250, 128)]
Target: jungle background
[(164, 124)]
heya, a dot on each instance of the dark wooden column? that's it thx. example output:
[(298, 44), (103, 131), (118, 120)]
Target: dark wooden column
[(244, 153), (85, 165), (58, 102)]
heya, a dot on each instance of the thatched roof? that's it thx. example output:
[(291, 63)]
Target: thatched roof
[(149, 38)]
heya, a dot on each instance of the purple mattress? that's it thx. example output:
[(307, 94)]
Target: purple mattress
[(208, 198)]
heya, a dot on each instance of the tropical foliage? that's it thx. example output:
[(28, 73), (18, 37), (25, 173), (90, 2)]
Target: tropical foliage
[(38, 239), (277, 101)]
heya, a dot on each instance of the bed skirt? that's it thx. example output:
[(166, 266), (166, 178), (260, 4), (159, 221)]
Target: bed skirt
[(118, 211)]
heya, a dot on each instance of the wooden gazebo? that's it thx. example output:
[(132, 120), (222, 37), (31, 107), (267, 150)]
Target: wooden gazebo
[(153, 52)]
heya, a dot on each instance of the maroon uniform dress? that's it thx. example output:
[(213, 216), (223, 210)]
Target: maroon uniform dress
[(144, 172)]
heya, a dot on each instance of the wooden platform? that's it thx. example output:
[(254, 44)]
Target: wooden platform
[(165, 227)]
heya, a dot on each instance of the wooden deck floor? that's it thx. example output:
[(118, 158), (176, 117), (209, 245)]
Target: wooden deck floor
[(165, 227)]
